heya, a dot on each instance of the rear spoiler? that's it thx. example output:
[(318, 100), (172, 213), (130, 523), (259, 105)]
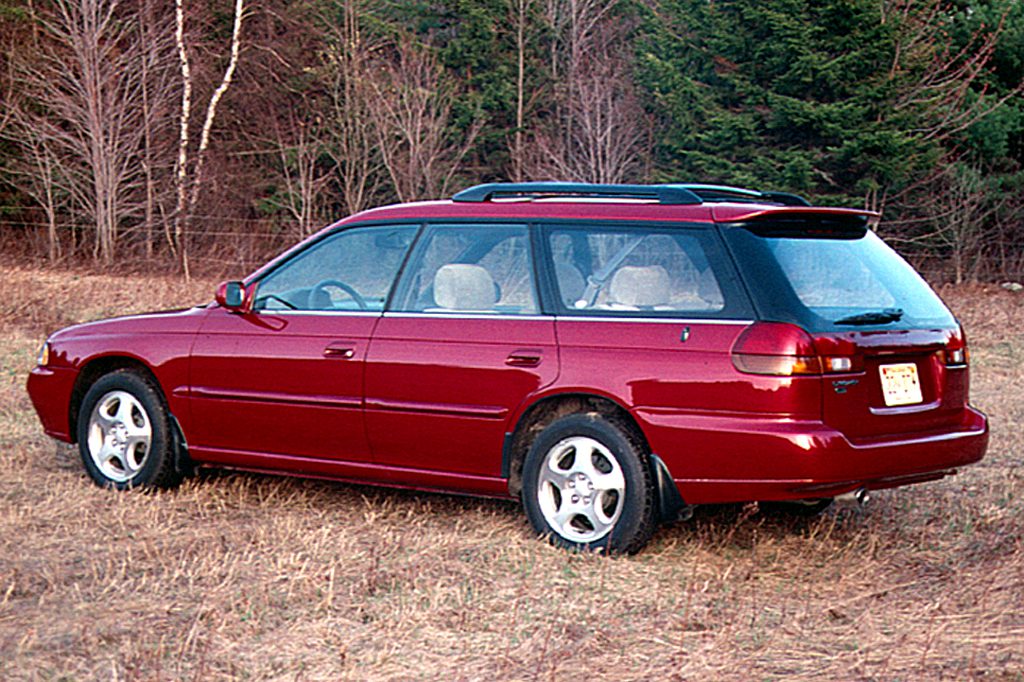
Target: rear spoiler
[(798, 222)]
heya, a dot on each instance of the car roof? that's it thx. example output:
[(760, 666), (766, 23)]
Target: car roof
[(584, 209), (556, 201)]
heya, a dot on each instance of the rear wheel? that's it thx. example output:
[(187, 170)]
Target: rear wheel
[(587, 485), (124, 433)]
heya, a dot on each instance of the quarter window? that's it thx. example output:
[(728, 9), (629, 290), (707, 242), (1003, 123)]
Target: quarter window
[(471, 268), (349, 271)]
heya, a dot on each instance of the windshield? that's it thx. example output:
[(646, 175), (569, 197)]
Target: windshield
[(832, 284)]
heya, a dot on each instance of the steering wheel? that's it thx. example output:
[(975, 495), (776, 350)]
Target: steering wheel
[(319, 291)]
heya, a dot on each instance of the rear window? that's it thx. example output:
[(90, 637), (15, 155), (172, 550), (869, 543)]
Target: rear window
[(835, 283)]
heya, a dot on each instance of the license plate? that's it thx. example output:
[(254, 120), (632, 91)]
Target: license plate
[(900, 385)]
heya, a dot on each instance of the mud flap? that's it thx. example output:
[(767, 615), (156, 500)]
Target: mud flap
[(671, 506)]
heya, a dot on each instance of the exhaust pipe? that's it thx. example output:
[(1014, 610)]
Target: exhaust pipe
[(860, 497)]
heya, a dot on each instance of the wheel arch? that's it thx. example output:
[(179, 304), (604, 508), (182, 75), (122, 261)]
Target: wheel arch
[(98, 367), (544, 410)]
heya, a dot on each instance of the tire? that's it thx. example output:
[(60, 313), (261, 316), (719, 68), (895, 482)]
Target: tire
[(604, 502), (801, 508), (124, 433)]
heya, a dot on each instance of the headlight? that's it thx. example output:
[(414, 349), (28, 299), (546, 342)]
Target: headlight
[(43, 358)]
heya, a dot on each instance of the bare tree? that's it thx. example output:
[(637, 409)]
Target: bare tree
[(411, 111), (351, 138), (598, 131), (960, 216), (157, 99), (81, 117), (298, 148), (37, 171), (942, 80), (189, 173), (520, 11)]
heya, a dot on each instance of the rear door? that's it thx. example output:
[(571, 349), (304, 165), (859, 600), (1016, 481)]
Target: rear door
[(905, 386), (461, 349)]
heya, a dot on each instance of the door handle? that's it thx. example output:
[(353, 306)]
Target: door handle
[(341, 352), (523, 358)]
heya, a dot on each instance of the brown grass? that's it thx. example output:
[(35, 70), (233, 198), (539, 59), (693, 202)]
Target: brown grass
[(239, 576)]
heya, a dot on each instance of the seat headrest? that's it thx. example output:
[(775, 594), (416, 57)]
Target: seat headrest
[(462, 286), (640, 286)]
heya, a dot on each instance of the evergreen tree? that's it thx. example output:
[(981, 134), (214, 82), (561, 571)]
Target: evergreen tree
[(849, 101)]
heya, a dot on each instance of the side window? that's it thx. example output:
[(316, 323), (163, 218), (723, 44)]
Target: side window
[(349, 271), (470, 268), (636, 270)]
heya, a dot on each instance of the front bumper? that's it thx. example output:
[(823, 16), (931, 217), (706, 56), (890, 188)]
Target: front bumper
[(50, 390)]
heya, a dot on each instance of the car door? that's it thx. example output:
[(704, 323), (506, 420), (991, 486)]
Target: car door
[(462, 347), (284, 381)]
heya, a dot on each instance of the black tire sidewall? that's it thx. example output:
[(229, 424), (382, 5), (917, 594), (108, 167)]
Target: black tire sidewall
[(154, 471), (634, 525)]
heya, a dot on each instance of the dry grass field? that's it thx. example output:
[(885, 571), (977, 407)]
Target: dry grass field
[(238, 576)]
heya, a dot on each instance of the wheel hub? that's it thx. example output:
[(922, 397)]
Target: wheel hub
[(118, 435), (581, 489)]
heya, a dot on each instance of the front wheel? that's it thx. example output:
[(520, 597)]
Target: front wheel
[(124, 433), (587, 485)]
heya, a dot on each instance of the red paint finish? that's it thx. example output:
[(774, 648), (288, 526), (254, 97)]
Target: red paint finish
[(854, 403), (426, 400), (159, 341), (50, 390), (286, 383), (741, 459), (646, 365), (361, 472), (440, 389)]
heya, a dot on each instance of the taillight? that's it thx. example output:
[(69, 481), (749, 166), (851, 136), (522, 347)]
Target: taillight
[(780, 349), (776, 349), (956, 353)]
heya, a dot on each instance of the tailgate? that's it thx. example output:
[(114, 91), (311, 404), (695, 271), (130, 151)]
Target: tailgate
[(901, 382)]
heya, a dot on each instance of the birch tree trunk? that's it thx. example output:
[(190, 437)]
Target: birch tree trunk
[(189, 176)]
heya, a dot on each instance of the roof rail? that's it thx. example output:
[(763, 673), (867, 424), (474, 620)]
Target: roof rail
[(665, 194), (727, 193)]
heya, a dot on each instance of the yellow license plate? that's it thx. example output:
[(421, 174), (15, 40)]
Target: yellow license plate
[(900, 385)]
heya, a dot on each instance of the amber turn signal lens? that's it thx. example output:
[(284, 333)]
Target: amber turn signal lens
[(43, 359)]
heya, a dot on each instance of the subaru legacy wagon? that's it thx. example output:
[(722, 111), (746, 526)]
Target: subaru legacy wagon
[(611, 355)]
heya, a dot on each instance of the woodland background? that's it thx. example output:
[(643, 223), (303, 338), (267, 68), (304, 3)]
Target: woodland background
[(204, 135)]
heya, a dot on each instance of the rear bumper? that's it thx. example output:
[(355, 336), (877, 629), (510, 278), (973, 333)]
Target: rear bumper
[(737, 459), (50, 390)]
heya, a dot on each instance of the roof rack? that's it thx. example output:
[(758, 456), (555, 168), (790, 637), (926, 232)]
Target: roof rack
[(665, 194), (728, 193)]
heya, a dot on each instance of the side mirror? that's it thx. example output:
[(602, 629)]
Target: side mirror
[(231, 295)]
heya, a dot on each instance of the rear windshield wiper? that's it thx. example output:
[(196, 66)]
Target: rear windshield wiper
[(873, 317)]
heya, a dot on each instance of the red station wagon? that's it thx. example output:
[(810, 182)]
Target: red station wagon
[(610, 354)]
